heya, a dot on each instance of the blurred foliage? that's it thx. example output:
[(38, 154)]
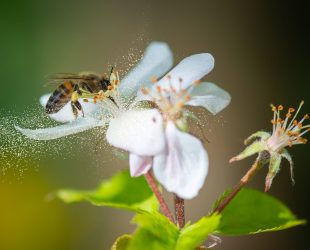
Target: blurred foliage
[(27, 220)]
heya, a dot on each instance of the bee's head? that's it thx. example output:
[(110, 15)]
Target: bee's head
[(105, 83)]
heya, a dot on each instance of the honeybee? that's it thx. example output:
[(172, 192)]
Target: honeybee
[(72, 87)]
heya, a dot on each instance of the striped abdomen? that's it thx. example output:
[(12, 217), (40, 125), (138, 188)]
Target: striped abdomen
[(60, 97)]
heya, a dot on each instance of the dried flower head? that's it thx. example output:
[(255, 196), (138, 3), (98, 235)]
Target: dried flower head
[(285, 133)]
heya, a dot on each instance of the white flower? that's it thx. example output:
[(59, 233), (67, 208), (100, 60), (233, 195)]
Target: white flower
[(287, 132), (152, 136), (156, 60), (179, 160)]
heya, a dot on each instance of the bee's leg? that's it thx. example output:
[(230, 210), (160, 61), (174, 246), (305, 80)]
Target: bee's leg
[(77, 105), (112, 99), (74, 110), (77, 89)]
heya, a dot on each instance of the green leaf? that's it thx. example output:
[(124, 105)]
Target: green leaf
[(220, 199), (120, 191), (155, 231), (191, 236), (253, 212), (121, 242)]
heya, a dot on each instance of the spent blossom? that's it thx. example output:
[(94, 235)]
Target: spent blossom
[(272, 147)]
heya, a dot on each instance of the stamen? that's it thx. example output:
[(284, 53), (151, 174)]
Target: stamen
[(187, 98), (280, 107), (85, 100), (290, 144), (302, 140), (180, 104), (304, 132), (300, 105), (154, 79), (197, 82), (273, 108), (145, 91), (288, 116), (291, 110)]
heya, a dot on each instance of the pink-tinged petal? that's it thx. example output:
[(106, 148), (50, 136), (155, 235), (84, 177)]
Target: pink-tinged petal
[(209, 96), (189, 70), (156, 61), (182, 169), (139, 165), (139, 132), (77, 126), (66, 115)]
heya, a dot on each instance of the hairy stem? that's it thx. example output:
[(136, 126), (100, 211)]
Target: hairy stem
[(163, 205), (179, 211), (244, 180)]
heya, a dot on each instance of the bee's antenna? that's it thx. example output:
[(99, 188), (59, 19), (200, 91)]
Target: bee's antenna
[(112, 69)]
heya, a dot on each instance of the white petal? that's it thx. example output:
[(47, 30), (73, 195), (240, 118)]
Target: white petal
[(156, 61), (209, 96), (139, 165), (77, 126), (66, 115), (184, 167), (139, 132), (190, 70)]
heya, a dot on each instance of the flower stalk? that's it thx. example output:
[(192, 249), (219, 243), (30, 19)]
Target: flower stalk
[(163, 205), (236, 189), (179, 211)]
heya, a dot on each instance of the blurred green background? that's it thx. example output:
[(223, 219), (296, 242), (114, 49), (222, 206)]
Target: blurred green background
[(262, 56)]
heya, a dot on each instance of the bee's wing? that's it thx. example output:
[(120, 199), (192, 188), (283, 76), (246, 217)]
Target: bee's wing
[(70, 76), (58, 79), (54, 82)]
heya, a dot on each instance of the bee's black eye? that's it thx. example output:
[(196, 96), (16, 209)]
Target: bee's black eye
[(105, 84)]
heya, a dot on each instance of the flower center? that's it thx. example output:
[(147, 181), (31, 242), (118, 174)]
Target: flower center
[(170, 100), (289, 131)]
